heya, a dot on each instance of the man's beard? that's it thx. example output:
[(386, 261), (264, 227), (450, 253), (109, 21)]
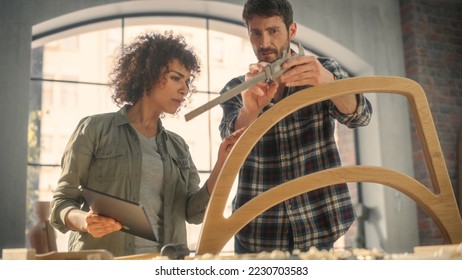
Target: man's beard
[(262, 54)]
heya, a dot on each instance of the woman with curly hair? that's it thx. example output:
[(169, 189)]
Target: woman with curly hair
[(129, 154)]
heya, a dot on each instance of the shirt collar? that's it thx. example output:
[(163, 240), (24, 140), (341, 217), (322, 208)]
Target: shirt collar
[(121, 119)]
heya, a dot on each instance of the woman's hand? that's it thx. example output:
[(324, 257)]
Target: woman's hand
[(99, 226), (223, 152), (228, 143)]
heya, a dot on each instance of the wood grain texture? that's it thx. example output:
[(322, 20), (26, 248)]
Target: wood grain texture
[(459, 147), (440, 204)]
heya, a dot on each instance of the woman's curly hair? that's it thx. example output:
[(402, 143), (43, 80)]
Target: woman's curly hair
[(141, 65)]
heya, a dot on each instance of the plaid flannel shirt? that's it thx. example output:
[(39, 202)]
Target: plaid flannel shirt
[(300, 144)]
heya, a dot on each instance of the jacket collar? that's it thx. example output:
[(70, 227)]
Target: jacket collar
[(121, 119)]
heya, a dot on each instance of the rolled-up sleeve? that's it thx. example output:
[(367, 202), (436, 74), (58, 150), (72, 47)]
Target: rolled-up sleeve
[(361, 117), (231, 108)]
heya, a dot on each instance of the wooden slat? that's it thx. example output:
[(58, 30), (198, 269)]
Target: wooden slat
[(428, 250), (81, 255), (30, 254), (147, 256), (459, 148)]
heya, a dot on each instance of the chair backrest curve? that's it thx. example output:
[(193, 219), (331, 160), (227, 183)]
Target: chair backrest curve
[(440, 204)]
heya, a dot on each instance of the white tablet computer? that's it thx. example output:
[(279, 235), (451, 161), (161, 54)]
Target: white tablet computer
[(131, 215)]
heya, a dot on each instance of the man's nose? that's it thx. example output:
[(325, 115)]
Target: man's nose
[(265, 41)]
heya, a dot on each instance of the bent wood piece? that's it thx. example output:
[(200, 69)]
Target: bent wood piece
[(96, 254), (143, 256), (439, 204), (459, 147)]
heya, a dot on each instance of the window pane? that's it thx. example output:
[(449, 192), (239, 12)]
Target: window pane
[(59, 108), (81, 54), (230, 51)]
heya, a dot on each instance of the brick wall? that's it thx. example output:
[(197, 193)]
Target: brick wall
[(432, 36)]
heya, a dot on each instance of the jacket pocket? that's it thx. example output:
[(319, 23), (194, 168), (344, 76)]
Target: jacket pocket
[(109, 163), (183, 167)]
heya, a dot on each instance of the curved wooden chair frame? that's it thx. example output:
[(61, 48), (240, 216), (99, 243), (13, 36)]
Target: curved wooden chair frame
[(440, 205)]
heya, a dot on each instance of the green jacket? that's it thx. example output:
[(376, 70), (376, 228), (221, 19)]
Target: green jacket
[(104, 154)]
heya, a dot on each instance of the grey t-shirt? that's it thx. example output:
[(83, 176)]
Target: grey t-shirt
[(151, 193)]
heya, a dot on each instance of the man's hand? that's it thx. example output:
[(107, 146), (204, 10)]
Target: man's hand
[(308, 71), (305, 71), (257, 97)]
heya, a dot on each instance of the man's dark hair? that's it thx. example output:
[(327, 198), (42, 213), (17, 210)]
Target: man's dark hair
[(268, 8)]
